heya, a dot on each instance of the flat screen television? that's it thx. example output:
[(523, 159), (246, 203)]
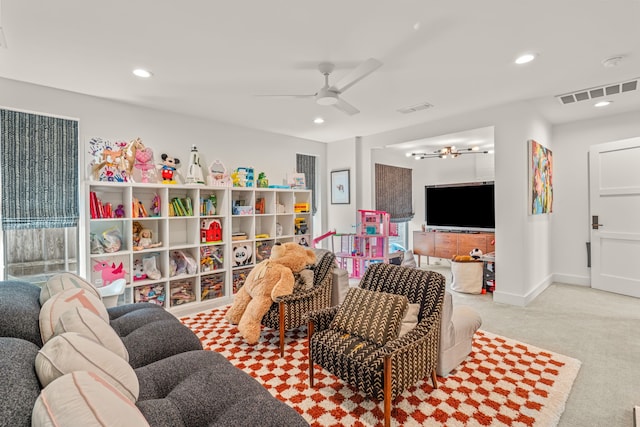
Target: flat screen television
[(468, 206)]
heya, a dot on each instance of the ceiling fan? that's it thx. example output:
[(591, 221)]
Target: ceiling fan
[(445, 152), (330, 94)]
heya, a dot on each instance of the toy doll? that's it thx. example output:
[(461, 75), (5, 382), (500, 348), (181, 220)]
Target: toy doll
[(145, 241)]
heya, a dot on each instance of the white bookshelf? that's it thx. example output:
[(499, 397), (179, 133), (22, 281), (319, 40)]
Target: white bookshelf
[(267, 216)]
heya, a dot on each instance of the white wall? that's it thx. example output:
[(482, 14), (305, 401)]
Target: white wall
[(171, 133), (342, 155), (571, 225), (523, 266)]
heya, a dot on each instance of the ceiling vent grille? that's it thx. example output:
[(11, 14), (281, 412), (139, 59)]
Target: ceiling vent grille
[(414, 108), (597, 92)]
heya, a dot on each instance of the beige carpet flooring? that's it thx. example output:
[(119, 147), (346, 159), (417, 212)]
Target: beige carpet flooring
[(600, 329)]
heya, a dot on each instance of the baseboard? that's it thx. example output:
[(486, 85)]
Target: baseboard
[(522, 300), (572, 279)]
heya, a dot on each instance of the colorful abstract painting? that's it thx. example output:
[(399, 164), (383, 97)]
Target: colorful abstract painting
[(540, 179)]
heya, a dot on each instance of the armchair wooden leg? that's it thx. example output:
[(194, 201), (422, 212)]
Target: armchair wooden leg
[(387, 391), (434, 379), (309, 335), (281, 328)]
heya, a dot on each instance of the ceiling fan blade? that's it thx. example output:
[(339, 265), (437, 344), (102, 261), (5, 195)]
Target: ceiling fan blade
[(344, 106), (287, 95), (361, 71)]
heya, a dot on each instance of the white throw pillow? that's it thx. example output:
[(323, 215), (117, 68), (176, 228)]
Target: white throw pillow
[(84, 399), (51, 310), (410, 319), (89, 324), (70, 352), (62, 282), (409, 260)]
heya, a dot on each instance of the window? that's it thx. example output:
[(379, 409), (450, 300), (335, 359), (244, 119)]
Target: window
[(399, 241), (34, 255), (39, 194), (307, 165), (394, 192)]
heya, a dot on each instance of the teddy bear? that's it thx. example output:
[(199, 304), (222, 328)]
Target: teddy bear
[(269, 280)]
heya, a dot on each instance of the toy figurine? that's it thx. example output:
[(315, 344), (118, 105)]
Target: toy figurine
[(169, 168), (263, 181), (194, 176), (119, 211)]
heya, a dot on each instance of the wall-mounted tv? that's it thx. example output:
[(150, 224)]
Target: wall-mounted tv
[(468, 206)]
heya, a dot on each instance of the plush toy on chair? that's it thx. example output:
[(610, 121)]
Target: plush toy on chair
[(270, 279)]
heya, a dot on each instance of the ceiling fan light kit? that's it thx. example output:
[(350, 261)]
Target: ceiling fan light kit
[(326, 96)]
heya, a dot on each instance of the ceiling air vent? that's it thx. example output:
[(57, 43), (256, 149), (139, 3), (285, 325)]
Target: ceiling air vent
[(597, 92), (413, 108)]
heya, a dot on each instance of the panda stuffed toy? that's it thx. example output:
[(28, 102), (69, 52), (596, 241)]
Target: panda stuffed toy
[(475, 253), (242, 255)]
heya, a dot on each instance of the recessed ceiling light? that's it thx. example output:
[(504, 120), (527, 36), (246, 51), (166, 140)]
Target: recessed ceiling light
[(318, 120), (416, 26), (141, 72), (602, 104), (523, 59)]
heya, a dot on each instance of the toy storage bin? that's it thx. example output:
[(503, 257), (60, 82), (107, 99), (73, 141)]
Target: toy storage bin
[(467, 277)]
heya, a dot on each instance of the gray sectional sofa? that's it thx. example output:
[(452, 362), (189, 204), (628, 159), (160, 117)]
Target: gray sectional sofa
[(179, 383)]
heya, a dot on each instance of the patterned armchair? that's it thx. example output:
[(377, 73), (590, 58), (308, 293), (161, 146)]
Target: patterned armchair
[(383, 371), (291, 311)]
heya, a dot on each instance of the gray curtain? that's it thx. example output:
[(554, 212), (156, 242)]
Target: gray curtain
[(307, 165), (39, 160), (394, 192)]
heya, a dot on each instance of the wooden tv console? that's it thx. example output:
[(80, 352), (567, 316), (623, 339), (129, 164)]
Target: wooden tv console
[(446, 244)]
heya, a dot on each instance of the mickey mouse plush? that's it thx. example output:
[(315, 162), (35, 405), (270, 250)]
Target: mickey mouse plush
[(169, 167)]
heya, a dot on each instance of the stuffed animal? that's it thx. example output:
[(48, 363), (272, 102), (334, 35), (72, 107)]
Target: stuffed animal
[(475, 253), (270, 279), (242, 255), (169, 168)]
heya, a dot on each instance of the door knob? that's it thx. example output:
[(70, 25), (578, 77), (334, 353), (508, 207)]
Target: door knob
[(594, 222)]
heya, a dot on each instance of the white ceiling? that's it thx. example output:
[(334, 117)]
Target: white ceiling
[(211, 58)]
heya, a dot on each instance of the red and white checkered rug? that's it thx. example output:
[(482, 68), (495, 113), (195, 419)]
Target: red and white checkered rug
[(501, 383)]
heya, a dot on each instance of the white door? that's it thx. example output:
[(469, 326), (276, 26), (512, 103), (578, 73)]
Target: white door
[(615, 216)]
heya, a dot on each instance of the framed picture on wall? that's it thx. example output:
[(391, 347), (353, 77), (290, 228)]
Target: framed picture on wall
[(540, 179), (340, 192)]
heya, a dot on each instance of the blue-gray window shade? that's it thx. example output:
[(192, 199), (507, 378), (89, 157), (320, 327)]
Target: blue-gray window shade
[(307, 165), (39, 159), (394, 192)]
